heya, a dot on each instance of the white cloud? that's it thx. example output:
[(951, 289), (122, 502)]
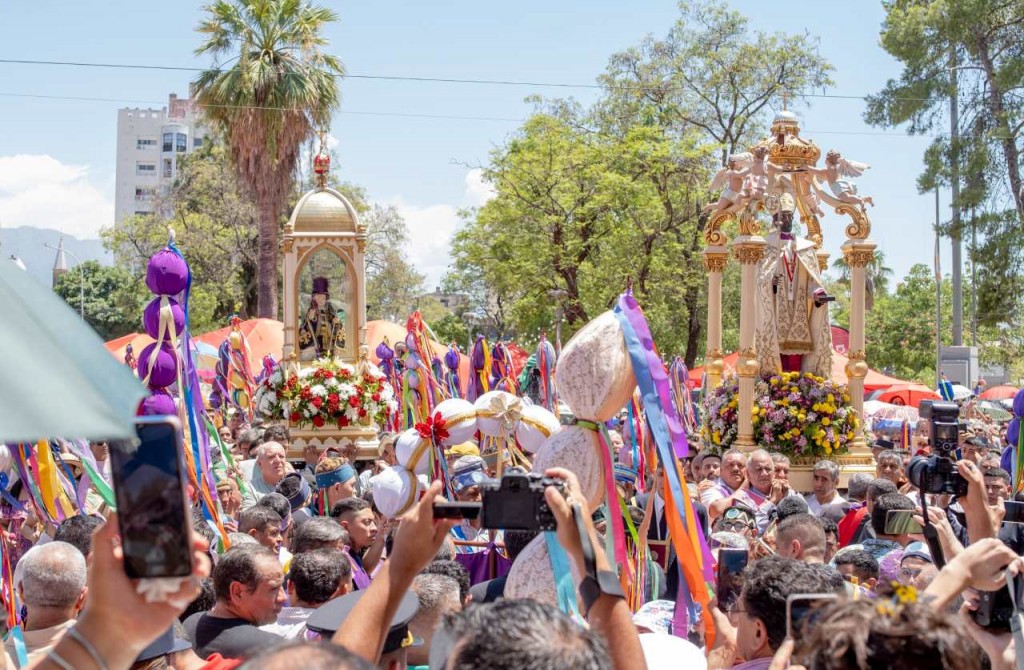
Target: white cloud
[(41, 191), (431, 227), (478, 191), (430, 233)]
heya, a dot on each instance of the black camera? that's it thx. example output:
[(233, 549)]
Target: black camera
[(516, 501), (937, 473)]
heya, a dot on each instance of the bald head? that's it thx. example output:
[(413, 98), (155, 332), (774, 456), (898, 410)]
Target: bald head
[(52, 575)]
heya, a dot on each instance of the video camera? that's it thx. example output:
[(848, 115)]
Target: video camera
[(937, 473)]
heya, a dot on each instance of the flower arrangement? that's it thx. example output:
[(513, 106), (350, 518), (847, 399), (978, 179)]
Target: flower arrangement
[(798, 414), (326, 393)]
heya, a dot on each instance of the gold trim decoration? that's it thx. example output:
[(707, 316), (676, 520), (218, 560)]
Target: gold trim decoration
[(749, 225), (715, 261), (748, 253), (861, 226), (713, 235), (748, 365), (856, 366), (858, 257), (713, 362)]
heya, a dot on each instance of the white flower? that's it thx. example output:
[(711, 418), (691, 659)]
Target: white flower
[(352, 413), (310, 411), (277, 377), (318, 390), (307, 373)]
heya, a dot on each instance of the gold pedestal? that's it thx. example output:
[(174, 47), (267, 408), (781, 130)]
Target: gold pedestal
[(859, 460), (363, 437)]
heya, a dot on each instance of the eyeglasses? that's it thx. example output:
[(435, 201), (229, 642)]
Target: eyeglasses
[(735, 526), (909, 573)]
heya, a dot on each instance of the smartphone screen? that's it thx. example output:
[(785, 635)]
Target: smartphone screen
[(456, 510), (1014, 511), (799, 607), (901, 522), (152, 511), (731, 564)]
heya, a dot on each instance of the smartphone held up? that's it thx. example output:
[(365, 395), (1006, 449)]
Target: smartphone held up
[(148, 476)]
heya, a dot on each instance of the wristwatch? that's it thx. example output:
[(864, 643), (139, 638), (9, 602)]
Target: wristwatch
[(596, 582)]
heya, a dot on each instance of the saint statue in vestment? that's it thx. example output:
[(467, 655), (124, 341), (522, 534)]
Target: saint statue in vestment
[(321, 332), (792, 332)]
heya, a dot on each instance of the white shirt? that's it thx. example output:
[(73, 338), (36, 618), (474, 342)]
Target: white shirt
[(291, 622), (815, 506)]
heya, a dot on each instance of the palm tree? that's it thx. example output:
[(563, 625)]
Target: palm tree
[(278, 89), (877, 272)]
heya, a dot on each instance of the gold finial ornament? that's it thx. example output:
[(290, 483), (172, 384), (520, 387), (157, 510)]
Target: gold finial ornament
[(322, 162)]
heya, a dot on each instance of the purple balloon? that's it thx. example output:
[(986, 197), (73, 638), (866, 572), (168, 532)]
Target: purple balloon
[(167, 273), (1018, 403), (1013, 432), (159, 403), (165, 367), (384, 352), (151, 319)]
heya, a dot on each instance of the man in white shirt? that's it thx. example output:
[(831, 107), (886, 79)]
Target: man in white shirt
[(315, 578), (826, 479)]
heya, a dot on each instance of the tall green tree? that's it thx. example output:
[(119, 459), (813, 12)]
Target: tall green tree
[(393, 285), (969, 49), (279, 88), (215, 223), (114, 297)]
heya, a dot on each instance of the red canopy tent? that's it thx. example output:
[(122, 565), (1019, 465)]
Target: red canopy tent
[(1000, 393), (908, 393)]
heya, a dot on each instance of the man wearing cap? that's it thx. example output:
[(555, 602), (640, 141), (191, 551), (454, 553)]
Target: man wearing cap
[(329, 618), (230, 501), (625, 481), (916, 558), (468, 473), (335, 481), (298, 493)]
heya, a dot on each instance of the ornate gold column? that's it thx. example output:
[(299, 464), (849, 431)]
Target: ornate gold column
[(858, 254), (715, 258), (749, 249)]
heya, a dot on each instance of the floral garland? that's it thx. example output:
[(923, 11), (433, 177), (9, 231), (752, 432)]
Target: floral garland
[(326, 393), (798, 414)]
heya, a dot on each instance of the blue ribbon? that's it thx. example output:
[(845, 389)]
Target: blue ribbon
[(339, 476), (11, 500), (564, 586)]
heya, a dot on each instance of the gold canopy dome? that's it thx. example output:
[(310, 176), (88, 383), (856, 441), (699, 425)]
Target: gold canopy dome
[(324, 210), (786, 148)]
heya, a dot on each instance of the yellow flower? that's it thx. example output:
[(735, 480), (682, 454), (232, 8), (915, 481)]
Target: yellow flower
[(826, 421)]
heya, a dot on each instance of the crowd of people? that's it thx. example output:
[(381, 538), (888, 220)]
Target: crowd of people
[(316, 577)]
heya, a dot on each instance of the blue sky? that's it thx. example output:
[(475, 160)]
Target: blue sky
[(57, 156)]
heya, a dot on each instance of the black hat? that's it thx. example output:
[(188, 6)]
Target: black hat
[(327, 618), (163, 645)]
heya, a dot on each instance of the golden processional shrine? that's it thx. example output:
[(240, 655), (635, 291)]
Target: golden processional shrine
[(784, 324)]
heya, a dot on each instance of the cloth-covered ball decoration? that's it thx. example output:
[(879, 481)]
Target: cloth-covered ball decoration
[(160, 371), (595, 373), (459, 418), (575, 448), (497, 414), (395, 490), (536, 425), (158, 403), (173, 314), (531, 575), (412, 451), (167, 273)]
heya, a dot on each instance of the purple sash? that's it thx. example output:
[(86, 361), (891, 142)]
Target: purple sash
[(480, 566)]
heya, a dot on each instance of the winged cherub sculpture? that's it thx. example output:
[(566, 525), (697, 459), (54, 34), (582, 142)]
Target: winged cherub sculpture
[(844, 189), (732, 178)]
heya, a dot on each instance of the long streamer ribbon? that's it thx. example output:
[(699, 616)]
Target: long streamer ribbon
[(670, 440), (565, 589)]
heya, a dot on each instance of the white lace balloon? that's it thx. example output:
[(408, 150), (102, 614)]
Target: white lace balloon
[(595, 374), (535, 426), (460, 420), (531, 575), (497, 414), (576, 449), (413, 451), (395, 490)]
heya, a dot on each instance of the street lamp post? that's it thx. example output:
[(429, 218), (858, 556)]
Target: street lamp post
[(954, 178), (81, 278), (558, 294)]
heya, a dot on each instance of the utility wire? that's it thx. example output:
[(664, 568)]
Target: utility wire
[(442, 80), (352, 112)]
